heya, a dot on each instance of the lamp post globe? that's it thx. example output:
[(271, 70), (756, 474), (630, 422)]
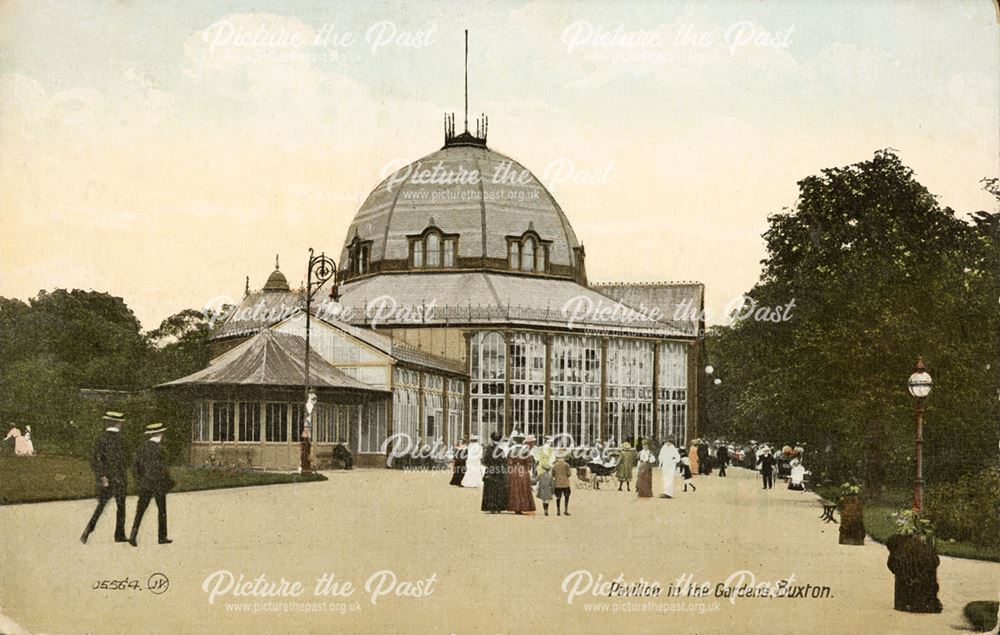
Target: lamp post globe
[(709, 369), (920, 381), (717, 381)]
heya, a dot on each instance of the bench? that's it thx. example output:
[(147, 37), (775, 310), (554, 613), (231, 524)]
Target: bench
[(828, 509)]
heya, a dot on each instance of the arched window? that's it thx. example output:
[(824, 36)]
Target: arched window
[(433, 242), (528, 255), (433, 249), (528, 252)]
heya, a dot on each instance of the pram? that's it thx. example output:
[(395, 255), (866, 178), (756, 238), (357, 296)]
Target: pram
[(600, 473)]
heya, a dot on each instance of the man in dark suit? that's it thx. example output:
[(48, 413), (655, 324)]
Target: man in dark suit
[(108, 462), (153, 480), (766, 463), (722, 455)]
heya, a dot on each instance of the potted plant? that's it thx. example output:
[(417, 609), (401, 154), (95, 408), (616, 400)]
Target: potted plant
[(852, 514), (913, 560)]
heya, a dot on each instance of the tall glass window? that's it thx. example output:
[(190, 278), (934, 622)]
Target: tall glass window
[(373, 423), (406, 404), (630, 390), (527, 382), (488, 368), (576, 388), (433, 410), (433, 250), (515, 256), (276, 422), (249, 412), (223, 422), (456, 409), (673, 392), (449, 253), (202, 429), (528, 256)]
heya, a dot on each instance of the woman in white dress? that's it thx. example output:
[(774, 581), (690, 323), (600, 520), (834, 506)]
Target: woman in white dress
[(474, 464), (22, 445)]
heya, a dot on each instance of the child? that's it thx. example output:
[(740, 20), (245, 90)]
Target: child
[(560, 475), (545, 486), (686, 473)]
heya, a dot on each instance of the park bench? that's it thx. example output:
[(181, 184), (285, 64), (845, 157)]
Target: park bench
[(828, 509)]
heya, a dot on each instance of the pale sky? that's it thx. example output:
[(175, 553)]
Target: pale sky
[(163, 151)]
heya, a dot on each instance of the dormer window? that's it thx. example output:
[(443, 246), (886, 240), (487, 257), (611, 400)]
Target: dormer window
[(528, 252), (433, 249), (359, 256)]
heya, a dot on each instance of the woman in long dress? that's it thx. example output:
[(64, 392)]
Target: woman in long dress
[(693, 457), (626, 464), (29, 445), (473, 464), (644, 483), (495, 477), (458, 463), (519, 496), (669, 458), (21, 444)]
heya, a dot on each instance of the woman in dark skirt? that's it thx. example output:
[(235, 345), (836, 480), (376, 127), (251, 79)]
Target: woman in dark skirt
[(519, 464), (458, 463), (494, 476), (644, 483)]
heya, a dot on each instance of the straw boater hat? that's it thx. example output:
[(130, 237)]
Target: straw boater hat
[(626, 445), (530, 439), (155, 428), (474, 437), (116, 417)]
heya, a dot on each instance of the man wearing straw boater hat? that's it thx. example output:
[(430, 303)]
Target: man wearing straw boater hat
[(154, 481), (108, 462)]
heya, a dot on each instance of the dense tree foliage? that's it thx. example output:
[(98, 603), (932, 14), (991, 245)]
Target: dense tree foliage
[(63, 341), (880, 274)]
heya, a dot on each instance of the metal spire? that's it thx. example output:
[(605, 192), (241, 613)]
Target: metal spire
[(467, 80)]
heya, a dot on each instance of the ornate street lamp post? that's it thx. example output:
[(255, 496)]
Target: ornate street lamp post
[(920, 386), (321, 270)]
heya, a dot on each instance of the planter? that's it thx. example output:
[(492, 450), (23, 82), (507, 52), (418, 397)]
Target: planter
[(852, 520), (914, 562)]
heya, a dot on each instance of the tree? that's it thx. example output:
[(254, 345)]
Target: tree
[(880, 273)]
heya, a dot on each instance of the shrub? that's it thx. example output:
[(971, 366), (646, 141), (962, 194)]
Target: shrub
[(982, 615), (967, 509)]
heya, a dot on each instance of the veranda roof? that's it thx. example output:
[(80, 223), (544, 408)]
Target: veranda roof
[(270, 359)]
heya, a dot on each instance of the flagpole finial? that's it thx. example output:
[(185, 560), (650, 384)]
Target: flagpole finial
[(467, 80), (276, 267), (465, 137)]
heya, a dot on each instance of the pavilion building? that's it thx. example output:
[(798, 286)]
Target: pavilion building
[(463, 307)]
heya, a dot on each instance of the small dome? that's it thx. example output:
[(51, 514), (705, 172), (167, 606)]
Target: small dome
[(276, 281)]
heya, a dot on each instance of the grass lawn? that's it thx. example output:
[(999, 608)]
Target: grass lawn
[(880, 525), (48, 478)]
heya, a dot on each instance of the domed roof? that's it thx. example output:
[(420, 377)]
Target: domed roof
[(469, 191), (276, 281)]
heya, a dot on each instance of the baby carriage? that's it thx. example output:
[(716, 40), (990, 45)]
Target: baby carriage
[(600, 473)]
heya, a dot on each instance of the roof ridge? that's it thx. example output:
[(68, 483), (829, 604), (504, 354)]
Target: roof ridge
[(666, 283)]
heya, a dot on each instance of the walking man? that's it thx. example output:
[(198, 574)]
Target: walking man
[(108, 462), (154, 481), (766, 463), (722, 454)]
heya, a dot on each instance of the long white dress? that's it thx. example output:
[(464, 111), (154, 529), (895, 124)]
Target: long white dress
[(474, 466), (22, 445), (669, 458), (797, 476)]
